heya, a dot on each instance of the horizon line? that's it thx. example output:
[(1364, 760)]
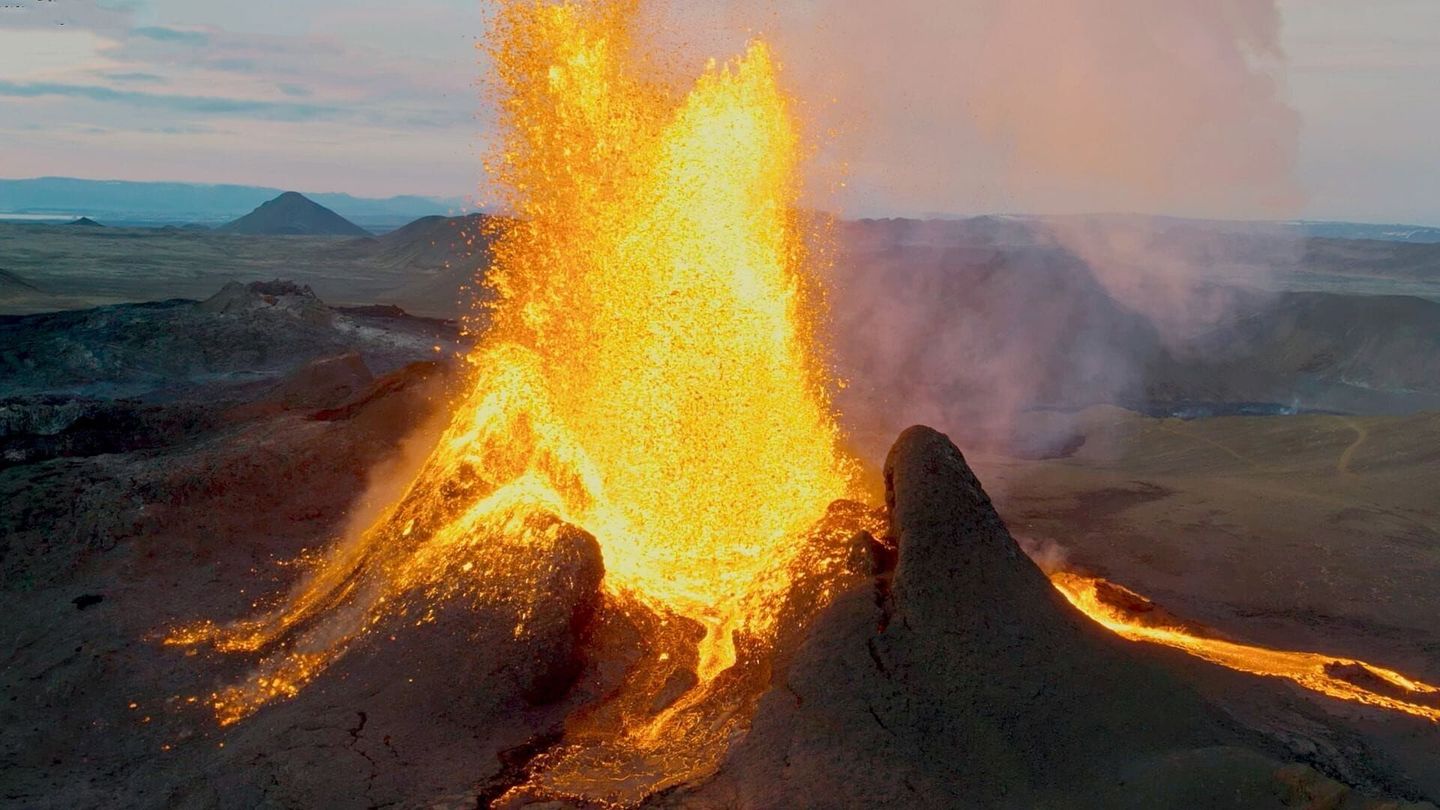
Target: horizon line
[(469, 205)]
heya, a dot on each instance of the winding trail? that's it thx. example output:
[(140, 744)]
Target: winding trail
[(1342, 465)]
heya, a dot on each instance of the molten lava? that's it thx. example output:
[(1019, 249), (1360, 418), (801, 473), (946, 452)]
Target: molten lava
[(1343, 678), (649, 373), (652, 335)]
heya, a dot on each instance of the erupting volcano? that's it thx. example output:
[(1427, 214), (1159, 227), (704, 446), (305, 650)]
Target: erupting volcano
[(649, 378), (650, 371), (652, 347)]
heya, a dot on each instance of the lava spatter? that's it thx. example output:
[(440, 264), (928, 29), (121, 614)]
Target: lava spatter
[(650, 372)]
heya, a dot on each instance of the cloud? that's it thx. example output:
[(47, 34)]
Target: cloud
[(199, 88), (136, 77), (233, 64), (968, 106), (46, 55), (87, 16), (173, 35), (205, 105)]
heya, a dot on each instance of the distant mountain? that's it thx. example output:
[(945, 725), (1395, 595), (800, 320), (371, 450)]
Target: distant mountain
[(293, 214), (442, 259), (86, 222), (435, 241), (127, 202)]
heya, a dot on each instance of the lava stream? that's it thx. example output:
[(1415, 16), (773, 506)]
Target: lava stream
[(650, 373), (1330, 675)]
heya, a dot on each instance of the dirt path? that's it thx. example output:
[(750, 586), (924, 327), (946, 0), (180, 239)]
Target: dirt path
[(1342, 465)]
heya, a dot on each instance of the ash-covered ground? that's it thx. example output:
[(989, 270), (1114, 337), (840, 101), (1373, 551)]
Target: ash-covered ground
[(166, 462)]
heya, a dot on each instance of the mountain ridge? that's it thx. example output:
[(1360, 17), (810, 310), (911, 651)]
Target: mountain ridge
[(136, 201)]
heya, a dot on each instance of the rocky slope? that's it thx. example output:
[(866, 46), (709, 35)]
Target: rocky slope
[(127, 377), (244, 333), (958, 678), (973, 684)]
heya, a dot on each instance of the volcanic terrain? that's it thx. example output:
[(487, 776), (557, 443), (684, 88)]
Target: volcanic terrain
[(661, 487), (1270, 490), (212, 471)]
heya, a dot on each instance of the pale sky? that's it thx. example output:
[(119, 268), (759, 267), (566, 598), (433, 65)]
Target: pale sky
[(380, 98)]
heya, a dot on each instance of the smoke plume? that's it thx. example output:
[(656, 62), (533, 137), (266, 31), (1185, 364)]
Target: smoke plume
[(1144, 107)]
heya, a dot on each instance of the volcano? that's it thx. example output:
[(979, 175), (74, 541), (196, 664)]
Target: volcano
[(964, 679), (923, 660), (293, 214), (640, 543)]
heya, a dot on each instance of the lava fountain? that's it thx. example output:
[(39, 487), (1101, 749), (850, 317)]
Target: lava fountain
[(653, 285), (650, 371)]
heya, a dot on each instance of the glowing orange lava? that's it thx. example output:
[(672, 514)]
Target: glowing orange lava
[(651, 289), (1335, 676), (649, 372)]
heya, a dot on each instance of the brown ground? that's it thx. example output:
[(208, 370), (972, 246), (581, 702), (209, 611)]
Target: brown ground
[(1315, 532)]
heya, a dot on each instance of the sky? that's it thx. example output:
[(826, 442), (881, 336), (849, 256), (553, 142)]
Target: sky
[(1322, 109)]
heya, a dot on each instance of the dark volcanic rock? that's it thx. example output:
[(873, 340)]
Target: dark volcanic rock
[(416, 709), (282, 296), (86, 600), (38, 428), (324, 383), (92, 716), (246, 335), (977, 685)]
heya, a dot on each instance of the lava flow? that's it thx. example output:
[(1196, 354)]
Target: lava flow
[(651, 373), (1343, 678)]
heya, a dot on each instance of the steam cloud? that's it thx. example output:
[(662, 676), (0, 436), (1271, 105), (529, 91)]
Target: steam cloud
[(1026, 105), (969, 106)]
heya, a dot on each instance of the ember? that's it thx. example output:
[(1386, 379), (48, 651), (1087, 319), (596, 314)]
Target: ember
[(650, 373), (651, 380)]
